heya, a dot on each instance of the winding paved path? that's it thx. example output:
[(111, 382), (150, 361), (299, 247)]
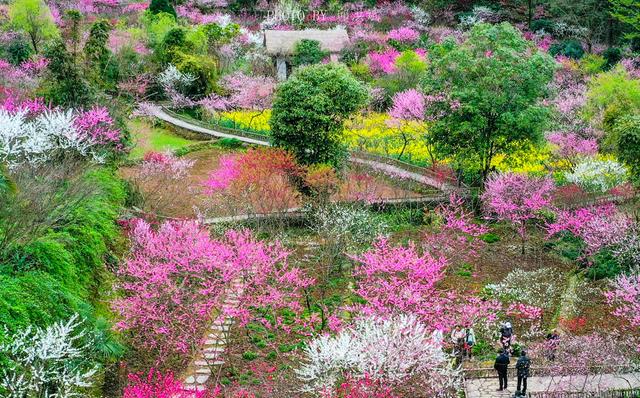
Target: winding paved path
[(386, 168)]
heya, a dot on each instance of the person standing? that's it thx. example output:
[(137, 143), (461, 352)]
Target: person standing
[(457, 338), (506, 336), (502, 366), (470, 341), (522, 368)]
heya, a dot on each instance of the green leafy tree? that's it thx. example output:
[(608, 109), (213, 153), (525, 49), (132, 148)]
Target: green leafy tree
[(34, 18), (72, 31), (308, 52), (65, 85), (158, 6), (611, 96), (309, 111), (486, 95), (96, 53), (628, 132), (18, 51), (628, 12)]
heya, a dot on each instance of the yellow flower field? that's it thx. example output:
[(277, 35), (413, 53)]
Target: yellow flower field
[(249, 120)]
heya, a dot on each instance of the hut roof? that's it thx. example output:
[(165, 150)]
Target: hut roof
[(283, 42)]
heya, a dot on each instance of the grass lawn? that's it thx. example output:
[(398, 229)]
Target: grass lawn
[(149, 138)]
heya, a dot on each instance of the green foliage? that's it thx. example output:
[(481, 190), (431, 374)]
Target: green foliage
[(592, 64), (34, 18), (627, 132), (157, 26), (613, 55), (490, 237), (18, 51), (249, 355), (611, 96), (97, 55), (542, 24), (203, 67), (604, 265), (309, 111), (409, 71), (58, 273), (361, 72), (627, 12), (65, 85), (160, 6), (498, 79), (308, 52), (569, 48)]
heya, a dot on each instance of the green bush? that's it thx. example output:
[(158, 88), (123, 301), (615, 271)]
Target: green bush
[(309, 111), (308, 52), (613, 55), (604, 265), (249, 355), (627, 132), (60, 272), (490, 237), (158, 6), (592, 64), (569, 48), (542, 24)]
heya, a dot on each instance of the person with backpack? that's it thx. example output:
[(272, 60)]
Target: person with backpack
[(502, 366), (522, 368), (506, 336), (470, 341)]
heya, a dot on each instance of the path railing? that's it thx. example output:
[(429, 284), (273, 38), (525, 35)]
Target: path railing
[(630, 393), (544, 371)]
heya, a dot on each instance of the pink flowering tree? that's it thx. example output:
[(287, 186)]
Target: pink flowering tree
[(400, 279), (249, 92), (572, 147), (177, 276), (517, 198), (624, 295), (598, 226), (158, 385), (458, 237)]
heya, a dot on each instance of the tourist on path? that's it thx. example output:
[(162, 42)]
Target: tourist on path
[(553, 340), (457, 338), (502, 365), (470, 341), (522, 367), (506, 336)]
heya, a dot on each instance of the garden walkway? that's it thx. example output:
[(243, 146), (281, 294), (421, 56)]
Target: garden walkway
[(386, 166), (486, 387), (209, 357)]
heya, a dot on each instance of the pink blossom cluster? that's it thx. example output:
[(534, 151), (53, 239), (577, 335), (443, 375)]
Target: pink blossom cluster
[(383, 62), (403, 35), (408, 105), (570, 145), (228, 170), (135, 8), (598, 226), (97, 125), (176, 276), (165, 164), (13, 104), (399, 279), (625, 296), (249, 92), (158, 385), (365, 387), (193, 14), (517, 198), (524, 311), (632, 66)]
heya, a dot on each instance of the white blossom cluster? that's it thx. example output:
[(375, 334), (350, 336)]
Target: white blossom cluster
[(480, 14), (351, 226), (47, 362), (174, 83), (392, 349), (541, 288), (627, 249), (36, 140), (594, 175)]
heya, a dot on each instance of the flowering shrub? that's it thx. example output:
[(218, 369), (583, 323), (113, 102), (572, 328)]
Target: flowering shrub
[(249, 92), (595, 175), (39, 138), (625, 296), (258, 181), (598, 227), (175, 85), (158, 385), (176, 276), (541, 288), (48, 362), (361, 388), (409, 352), (383, 62), (570, 146), (517, 198)]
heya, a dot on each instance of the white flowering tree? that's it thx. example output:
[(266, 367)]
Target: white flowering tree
[(175, 83), (594, 175), (393, 350), (48, 362)]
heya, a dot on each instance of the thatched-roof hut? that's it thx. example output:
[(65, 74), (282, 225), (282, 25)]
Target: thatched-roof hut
[(280, 44)]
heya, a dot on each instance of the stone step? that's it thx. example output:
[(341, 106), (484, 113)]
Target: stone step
[(203, 371), (214, 342), (202, 362)]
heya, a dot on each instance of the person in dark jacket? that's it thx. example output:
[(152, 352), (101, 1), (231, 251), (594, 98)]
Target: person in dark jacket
[(501, 365), (522, 367)]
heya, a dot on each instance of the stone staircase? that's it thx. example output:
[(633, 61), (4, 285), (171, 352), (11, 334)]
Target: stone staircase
[(210, 357)]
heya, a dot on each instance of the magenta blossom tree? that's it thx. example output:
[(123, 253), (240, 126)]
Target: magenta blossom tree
[(394, 279), (517, 198), (177, 276), (625, 297), (158, 385)]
